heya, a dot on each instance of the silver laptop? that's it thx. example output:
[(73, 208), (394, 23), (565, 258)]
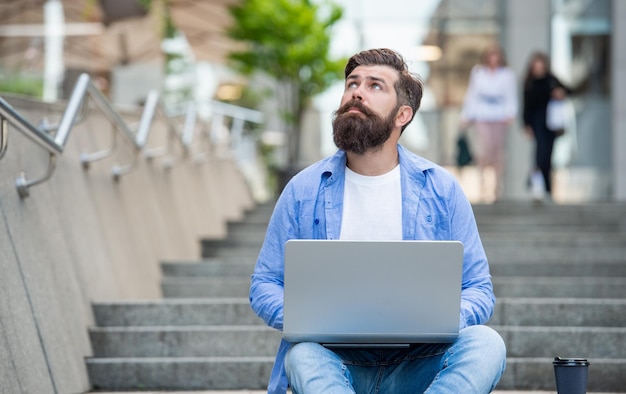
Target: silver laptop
[(372, 293)]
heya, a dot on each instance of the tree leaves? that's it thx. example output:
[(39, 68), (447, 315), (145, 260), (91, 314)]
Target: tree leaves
[(287, 39)]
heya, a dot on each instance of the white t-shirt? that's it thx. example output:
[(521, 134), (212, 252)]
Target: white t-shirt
[(372, 206)]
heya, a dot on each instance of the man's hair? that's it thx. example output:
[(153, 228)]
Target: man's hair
[(408, 87)]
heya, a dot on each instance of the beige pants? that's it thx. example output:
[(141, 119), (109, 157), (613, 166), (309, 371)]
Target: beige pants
[(491, 138)]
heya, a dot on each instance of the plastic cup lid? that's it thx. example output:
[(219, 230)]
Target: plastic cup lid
[(570, 361)]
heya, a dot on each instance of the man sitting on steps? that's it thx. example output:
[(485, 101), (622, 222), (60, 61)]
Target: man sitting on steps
[(373, 188)]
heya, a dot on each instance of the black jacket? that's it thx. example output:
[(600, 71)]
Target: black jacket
[(537, 93)]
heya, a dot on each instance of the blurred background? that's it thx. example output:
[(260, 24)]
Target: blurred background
[(184, 48), (128, 267)]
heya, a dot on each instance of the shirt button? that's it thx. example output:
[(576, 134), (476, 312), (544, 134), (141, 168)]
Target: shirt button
[(429, 218), (316, 221)]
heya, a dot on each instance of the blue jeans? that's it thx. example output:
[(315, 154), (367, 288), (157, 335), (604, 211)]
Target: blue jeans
[(471, 364)]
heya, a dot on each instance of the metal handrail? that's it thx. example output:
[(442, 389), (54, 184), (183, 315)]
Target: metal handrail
[(4, 134), (83, 89), (219, 111), (9, 114), (54, 146), (183, 138)]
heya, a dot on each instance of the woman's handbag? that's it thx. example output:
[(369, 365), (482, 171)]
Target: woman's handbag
[(557, 116), (464, 153)]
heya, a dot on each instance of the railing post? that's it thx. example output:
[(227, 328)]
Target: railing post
[(4, 135), (76, 100), (24, 184)]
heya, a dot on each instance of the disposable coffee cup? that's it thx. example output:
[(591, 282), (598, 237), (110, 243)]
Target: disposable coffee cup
[(571, 375)]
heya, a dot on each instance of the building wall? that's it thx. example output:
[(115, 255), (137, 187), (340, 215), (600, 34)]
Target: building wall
[(618, 92), (526, 29), (81, 237)]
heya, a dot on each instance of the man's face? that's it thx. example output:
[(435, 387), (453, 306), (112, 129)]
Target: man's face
[(369, 105)]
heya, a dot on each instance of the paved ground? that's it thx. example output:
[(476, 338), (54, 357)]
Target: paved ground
[(263, 392)]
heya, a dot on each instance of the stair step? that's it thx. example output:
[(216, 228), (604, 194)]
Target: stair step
[(199, 287), (257, 226), (180, 373), (551, 268), (235, 240), (587, 211), (184, 341), (213, 267), (568, 312), (549, 225), (246, 230), (574, 239), (179, 312), (555, 287), (560, 287), (244, 253), (587, 255), (588, 342), (605, 375), (551, 219)]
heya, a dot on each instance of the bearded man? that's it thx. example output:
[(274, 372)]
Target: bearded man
[(374, 189)]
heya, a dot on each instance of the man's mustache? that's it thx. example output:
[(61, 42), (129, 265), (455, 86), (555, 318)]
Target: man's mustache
[(354, 104)]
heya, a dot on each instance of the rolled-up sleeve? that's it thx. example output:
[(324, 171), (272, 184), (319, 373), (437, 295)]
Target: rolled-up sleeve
[(477, 296), (267, 285)]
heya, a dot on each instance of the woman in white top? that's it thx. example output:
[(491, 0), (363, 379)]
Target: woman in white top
[(491, 105)]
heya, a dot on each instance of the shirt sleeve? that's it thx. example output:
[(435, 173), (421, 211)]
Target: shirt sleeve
[(267, 284), (477, 297)]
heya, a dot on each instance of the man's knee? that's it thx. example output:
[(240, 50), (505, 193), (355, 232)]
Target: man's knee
[(300, 353), (485, 340)]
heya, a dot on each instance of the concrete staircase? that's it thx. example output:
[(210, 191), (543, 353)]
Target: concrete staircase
[(560, 276), (559, 273), (202, 335)]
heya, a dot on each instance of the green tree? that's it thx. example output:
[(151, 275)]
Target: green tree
[(288, 40)]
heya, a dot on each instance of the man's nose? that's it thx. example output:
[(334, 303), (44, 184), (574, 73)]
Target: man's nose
[(357, 93)]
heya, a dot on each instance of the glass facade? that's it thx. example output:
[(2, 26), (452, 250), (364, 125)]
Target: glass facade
[(581, 58)]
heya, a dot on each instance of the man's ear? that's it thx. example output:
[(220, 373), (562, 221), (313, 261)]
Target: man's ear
[(404, 115)]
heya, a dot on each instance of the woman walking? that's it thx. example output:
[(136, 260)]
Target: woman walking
[(491, 105), (540, 86)]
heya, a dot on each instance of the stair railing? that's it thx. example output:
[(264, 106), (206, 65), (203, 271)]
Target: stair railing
[(239, 115), (76, 109), (54, 147), (220, 112), (184, 138), (4, 134), (83, 89)]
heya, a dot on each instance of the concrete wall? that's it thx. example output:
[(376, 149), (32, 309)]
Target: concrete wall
[(527, 30), (618, 92), (81, 237)]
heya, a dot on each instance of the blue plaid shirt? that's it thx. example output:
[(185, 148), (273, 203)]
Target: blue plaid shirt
[(434, 207)]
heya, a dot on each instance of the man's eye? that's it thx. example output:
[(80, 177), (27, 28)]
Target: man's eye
[(376, 86), (352, 85)]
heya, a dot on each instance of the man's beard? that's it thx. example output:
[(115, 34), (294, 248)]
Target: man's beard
[(360, 132)]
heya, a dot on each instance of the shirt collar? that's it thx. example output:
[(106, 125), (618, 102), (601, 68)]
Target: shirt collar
[(335, 166)]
